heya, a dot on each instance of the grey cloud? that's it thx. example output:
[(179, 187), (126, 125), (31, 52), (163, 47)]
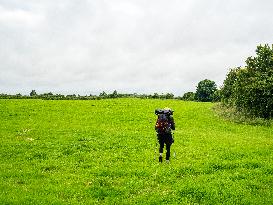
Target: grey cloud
[(132, 46)]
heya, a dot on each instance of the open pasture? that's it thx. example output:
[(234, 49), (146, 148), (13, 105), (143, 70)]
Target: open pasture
[(102, 151)]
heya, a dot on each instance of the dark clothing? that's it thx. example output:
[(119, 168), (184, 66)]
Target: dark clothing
[(165, 139)]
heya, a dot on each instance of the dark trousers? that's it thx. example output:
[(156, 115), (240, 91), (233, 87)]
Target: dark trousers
[(165, 139)]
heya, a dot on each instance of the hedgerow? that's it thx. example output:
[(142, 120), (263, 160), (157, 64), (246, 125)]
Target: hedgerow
[(250, 89)]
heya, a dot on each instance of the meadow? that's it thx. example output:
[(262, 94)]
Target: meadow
[(103, 152)]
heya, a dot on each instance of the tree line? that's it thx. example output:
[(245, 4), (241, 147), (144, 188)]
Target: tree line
[(103, 95), (248, 89), (204, 93)]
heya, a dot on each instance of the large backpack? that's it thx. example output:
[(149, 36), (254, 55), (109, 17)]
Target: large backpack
[(163, 124)]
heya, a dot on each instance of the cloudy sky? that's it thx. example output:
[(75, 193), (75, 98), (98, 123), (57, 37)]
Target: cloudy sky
[(143, 46)]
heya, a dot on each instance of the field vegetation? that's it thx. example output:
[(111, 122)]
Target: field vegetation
[(249, 89), (102, 151)]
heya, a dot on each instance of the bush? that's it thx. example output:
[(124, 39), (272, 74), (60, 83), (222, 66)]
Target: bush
[(188, 96), (250, 89)]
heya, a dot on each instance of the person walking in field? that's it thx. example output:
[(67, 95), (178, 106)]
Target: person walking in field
[(164, 126)]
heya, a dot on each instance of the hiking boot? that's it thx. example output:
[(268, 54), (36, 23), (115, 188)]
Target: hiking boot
[(160, 159)]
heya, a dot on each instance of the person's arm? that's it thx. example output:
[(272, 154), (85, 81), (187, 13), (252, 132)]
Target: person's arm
[(172, 123)]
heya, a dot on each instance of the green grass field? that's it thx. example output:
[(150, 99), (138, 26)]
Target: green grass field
[(102, 151)]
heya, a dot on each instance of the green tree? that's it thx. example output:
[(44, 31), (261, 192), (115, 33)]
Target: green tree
[(169, 96), (188, 96), (114, 94), (155, 96), (227, 91), (205, 90), (33, 93), (250, 89), (216, 97), (103, 95)]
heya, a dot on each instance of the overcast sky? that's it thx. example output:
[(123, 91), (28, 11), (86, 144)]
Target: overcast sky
[(143, 46)]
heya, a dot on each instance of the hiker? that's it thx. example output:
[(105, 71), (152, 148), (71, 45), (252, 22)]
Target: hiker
[(164, 126)]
